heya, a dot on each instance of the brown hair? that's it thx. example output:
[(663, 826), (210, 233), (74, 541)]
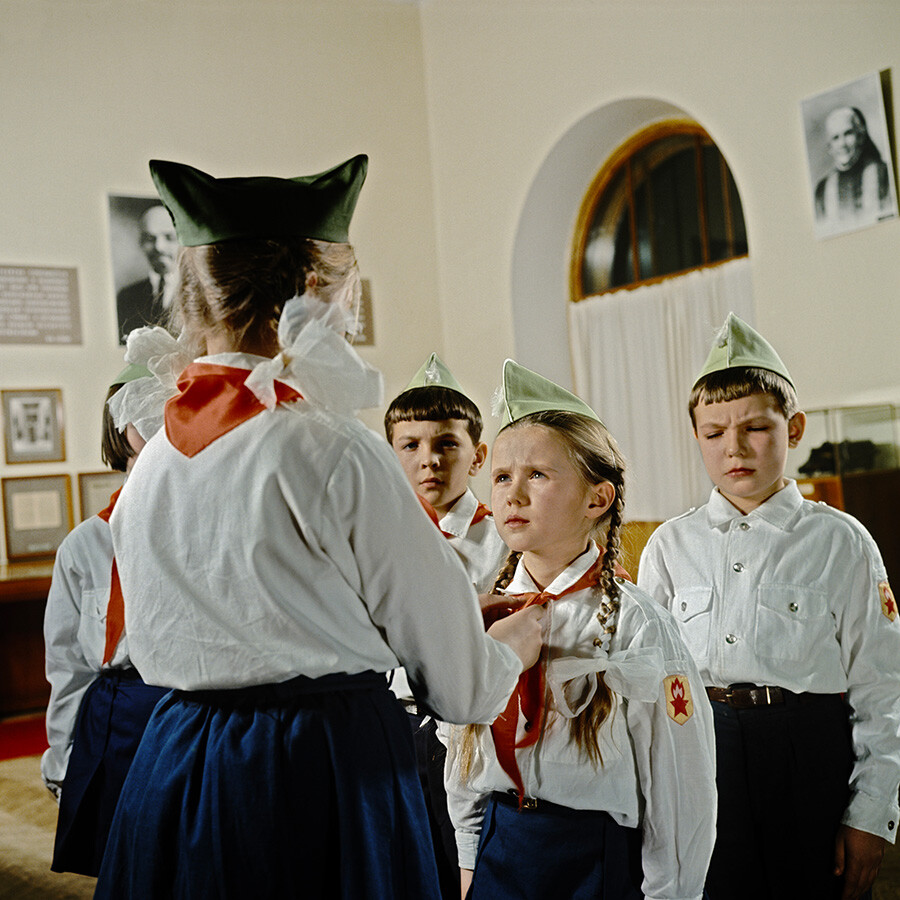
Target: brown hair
[(433, 403), (115, 450), (239, 287), (596, 457), (743, 381)]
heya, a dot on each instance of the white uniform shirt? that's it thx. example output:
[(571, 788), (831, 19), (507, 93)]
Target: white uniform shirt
[(294, 545), (789, 596), (480, 547), (657, 775), (75, 635)]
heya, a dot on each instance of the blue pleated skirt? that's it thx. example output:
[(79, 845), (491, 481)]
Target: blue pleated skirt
[(111, 720), (304, 789), (555, 852)]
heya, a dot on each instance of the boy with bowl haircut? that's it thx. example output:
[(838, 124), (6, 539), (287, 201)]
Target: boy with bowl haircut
[(435, 430), (787, 609)]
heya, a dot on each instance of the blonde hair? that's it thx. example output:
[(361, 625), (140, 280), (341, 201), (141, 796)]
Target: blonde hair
[(239, 287), (596, 457)]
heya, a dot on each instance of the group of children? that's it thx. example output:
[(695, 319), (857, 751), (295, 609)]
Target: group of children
[(728, 727)]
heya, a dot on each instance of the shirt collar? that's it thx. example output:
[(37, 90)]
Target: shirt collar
[(456, 522), (233, 360), (779, 510), (523, 583)]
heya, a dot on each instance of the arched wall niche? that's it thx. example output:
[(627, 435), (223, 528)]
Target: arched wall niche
[(541, 251)]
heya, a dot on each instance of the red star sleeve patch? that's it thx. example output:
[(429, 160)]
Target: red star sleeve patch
[(888, 603), (679, 704)]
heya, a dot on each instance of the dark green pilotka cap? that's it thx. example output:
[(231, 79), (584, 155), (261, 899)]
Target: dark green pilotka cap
[(208, 210), (131, 372)]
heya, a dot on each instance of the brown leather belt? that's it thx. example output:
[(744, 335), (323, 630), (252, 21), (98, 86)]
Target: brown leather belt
[(751, 695)]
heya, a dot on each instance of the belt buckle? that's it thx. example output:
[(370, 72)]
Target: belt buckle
[(529, 803)]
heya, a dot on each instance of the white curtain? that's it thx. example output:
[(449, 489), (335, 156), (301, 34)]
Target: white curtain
[(635, 354)]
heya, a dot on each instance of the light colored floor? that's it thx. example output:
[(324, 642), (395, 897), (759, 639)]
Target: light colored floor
[(28, 823)]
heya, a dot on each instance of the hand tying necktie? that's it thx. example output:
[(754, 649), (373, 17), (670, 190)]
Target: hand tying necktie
[(528, 695)]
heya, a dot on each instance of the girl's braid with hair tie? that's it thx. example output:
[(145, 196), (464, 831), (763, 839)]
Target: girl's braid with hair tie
[(505, 575)]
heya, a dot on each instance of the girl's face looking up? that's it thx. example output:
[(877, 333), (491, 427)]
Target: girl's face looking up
[(542, 505)]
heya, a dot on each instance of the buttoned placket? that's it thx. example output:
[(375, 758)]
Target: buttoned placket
[(733, 620)]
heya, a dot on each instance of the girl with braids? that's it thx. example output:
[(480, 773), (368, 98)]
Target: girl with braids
[(598, 778)]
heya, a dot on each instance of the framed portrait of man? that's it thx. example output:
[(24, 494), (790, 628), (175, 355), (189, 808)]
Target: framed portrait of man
[(143, 249), (851, 171)]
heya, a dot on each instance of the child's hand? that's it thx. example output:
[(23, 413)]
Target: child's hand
[(857, 856), (522, 631)]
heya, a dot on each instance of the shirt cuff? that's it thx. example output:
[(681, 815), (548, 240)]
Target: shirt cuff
[(874, 815), (467, 848)]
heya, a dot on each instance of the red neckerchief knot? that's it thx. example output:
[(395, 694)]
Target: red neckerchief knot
[(212, 401), (528, 695)]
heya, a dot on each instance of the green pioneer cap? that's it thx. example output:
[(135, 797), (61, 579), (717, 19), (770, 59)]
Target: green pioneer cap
[(208, 210), (434, 373), (737, 344), (131, 372), (525, 392)]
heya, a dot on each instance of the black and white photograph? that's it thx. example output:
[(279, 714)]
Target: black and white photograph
[(33, 426), (143, 246), (849, 155)]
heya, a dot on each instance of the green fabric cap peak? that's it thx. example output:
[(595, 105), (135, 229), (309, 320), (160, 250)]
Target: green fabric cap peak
[(434, 373), (525, 392), (739, 345), (207, 210), (131, 372)]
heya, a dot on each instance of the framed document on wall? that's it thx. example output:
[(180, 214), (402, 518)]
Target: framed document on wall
[(37, 515), (95, 489)]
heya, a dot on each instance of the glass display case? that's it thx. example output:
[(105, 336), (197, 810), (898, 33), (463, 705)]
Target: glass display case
[(845, 439)]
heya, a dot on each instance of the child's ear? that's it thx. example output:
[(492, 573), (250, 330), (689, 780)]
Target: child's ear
[(602, 497), (481, 450), (796, 427)]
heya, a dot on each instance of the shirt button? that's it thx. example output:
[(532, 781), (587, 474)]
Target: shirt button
[(730, 638), (744, 526), (890, 826), (683, 605), (738, 567), (793, 607)]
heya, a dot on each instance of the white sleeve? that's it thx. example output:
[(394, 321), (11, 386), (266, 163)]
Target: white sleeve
[(676, 771), (870, 651), (465, 806), (68, 672), (416, 590)]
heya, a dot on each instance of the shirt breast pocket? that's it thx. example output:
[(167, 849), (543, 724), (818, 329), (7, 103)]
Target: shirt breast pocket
[(93, 615), (791, 621), (692, 609)]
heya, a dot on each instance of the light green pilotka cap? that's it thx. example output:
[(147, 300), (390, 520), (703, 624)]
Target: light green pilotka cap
[(434, 373), (525, 392), (207, 210), (131, 372), (739, 345)]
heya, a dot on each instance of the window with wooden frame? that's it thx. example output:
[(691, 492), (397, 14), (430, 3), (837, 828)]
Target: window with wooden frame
[(664, 204)]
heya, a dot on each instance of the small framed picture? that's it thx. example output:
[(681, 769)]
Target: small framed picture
[(37, 513), (95, 489), (851, 170), (33, 426)]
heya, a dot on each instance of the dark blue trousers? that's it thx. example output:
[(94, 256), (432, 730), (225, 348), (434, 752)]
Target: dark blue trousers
[(303, 789), (783, 776)]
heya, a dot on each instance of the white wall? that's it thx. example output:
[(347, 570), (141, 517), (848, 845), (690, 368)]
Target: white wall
[(459, 104), (509, 81), (89, 91)]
